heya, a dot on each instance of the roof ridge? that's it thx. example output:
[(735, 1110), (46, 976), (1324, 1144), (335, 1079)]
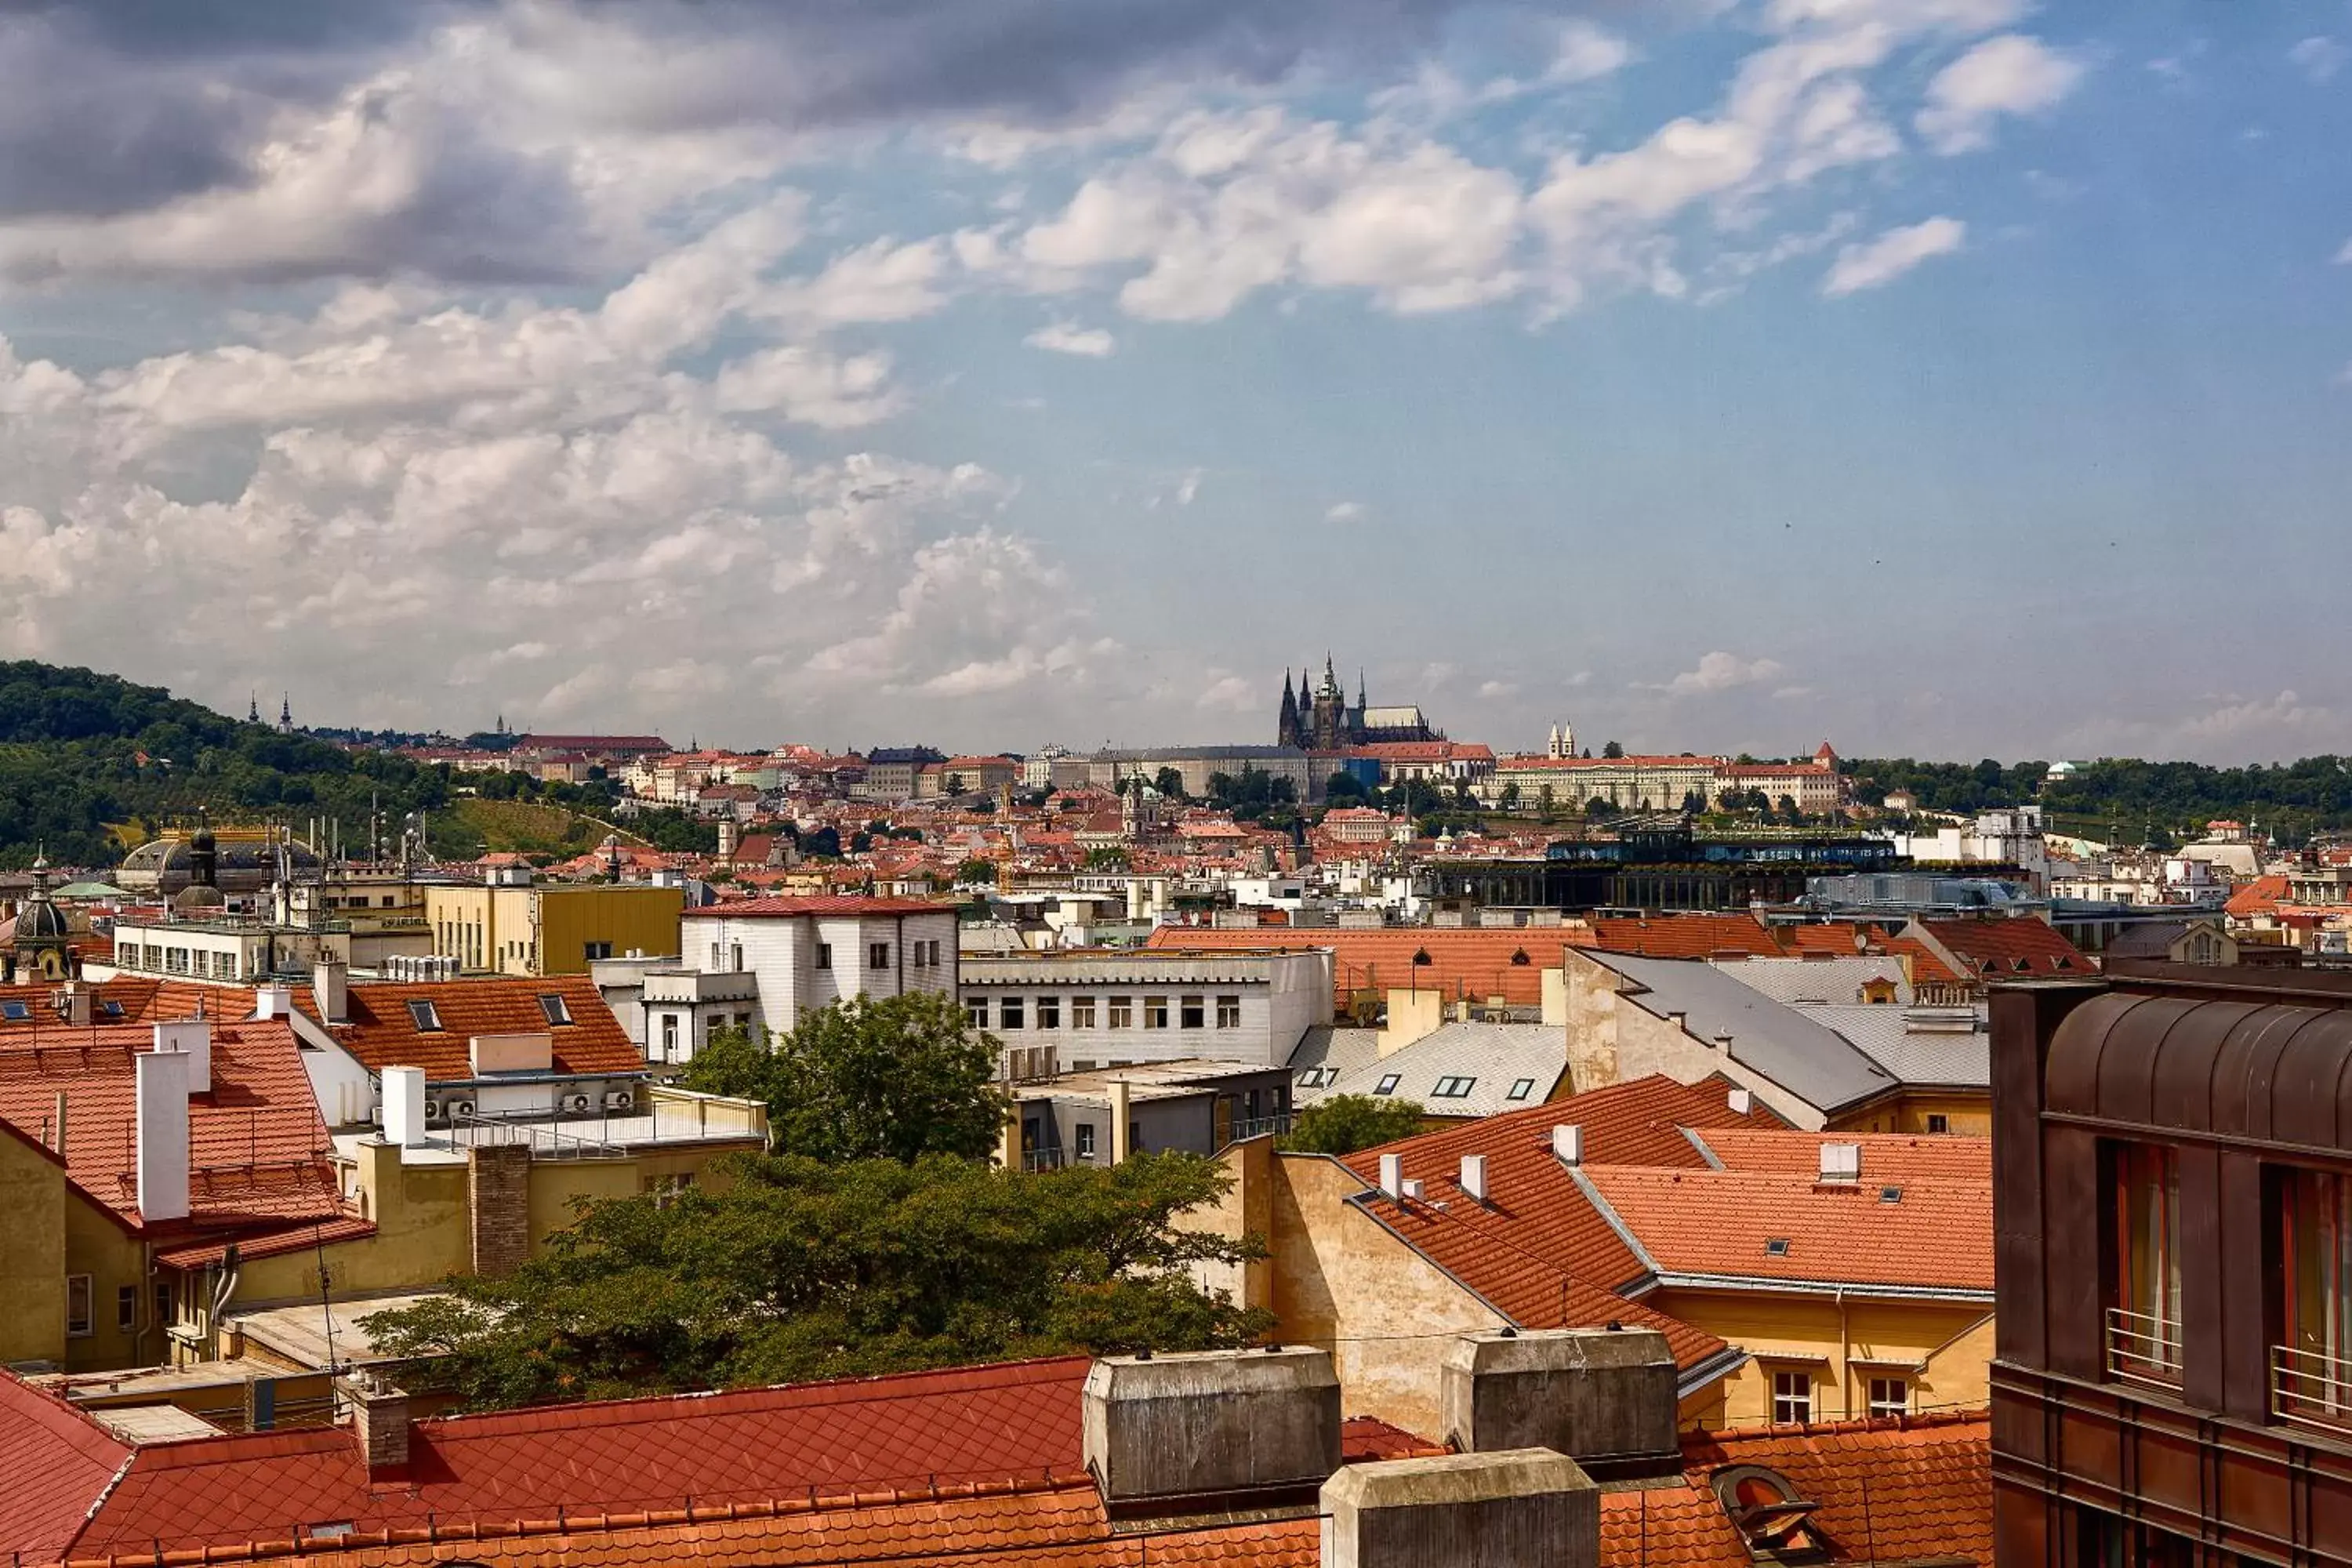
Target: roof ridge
[(818, 1501)]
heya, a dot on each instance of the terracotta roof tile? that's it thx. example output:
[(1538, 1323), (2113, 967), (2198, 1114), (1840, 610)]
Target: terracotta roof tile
[(1686, 936), (1885, 1156), (382, 1033), (1470, 964), (2006, 949), (55, 1463)]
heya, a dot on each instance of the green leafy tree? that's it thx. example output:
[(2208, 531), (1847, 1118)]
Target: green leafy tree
[(1341, 788), (1509, 798), (1348, 1122), (796, 1268), (1169, 782), (1108, 857), (894, 1077), (1600, 805), (1613, 750), (976, 872)]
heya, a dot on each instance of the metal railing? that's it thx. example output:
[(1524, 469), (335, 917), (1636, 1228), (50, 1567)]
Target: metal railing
[(544, 1143), (1043, 1159), (2311, 1386), (2143, 1347), (1258, 1127)]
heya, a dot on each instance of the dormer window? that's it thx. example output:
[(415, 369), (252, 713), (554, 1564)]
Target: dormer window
[(421, 1013)]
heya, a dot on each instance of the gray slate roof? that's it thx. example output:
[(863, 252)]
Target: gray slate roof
[(1495, 1057), (1923, 1057), (1817, 980), (1787, 1045)]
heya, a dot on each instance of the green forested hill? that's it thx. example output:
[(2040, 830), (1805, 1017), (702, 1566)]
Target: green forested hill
[(2291, 801), (80, 752)]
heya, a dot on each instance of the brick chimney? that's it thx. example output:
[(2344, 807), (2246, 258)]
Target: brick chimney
[(497, 1205), (1212, 1423), (379, 1422), (1522, 1508)]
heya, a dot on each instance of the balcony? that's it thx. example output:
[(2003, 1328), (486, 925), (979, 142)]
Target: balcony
[(1048, 1159), (2143, 1348), (1258, 1127), (2311, 1387)]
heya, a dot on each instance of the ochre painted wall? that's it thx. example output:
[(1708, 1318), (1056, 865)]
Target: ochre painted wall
[(97, 1245), (32, 1254), (1843, 1348), (1965, 1114)]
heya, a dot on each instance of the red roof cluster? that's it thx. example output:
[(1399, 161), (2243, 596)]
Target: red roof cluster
[(1988, 950), (382, 1031), (839, 904)]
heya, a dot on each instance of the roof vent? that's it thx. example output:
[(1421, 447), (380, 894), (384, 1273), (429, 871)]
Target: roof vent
[(1568, 1144), (1392, 1175), (1742, 1103), (1841, 1162), (1411, 1191)]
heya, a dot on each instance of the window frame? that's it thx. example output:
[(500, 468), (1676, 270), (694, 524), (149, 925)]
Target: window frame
[(1082, 1140), (1191, 1012), (81, 1285), (1155, 1012), (824, 957), (555, 1009), (1521, 1089), (1453, 1085), (1880, 1407), (1229, 1012), (1387, 1083), (877, 957), (1013, 1013), (1120, 1013), (1082, 1012), (425, 1016), (1787, 1396), (1049, 1011)]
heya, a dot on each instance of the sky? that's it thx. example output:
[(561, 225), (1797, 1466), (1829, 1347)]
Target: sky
[(1939, 377)]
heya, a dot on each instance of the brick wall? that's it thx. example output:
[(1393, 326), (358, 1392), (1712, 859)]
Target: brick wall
[(498, 1206)]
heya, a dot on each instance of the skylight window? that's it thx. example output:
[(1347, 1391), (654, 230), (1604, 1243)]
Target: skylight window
[(16, 1011), (1776, 1246), (110, 1009), (1521, 1087), (421, 1013), (552, 1006), (1453, 1087), (1890, 1194), (1387, 1083)]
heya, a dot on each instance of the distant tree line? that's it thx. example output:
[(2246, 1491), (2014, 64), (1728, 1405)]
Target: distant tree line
[(2291, 801)]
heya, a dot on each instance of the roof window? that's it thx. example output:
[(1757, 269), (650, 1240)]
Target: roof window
[(15, 1011), (1890, 1194), (421, 1013), (1387, 1083), (1521, 1087), (1452, 1087), (1776, 1246), (552, 1003)]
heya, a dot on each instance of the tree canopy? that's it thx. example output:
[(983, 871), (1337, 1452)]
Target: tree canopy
[(798, 1269), (892, 1078), (1347, 1123)]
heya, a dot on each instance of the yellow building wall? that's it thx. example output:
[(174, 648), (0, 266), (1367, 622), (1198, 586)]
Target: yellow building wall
[(1842, 1347), (1965, 1115), (97, 1246), (32, 1254), (545, 930)]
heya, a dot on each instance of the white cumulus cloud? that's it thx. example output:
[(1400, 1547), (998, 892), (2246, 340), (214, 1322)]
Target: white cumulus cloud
[(1720, 671), (1063, 338), (1346, 512), (2012, 74), (2319, 58)]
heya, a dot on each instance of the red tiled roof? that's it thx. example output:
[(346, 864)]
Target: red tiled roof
[(2005, 949), (1463, 963), (256, 1146), (55, 1462), (838, 904), (1885, 1156), (1686, 936), (2261, 896), (1368, 1437), (141, 998), (1939, 1235), (381, 1032), (1538, 1251), (742, 1447)]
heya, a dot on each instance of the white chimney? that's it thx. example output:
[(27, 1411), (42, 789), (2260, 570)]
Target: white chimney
[(1742, 1103), (330, 982), (1474, 1177), (163, 1132), (272, 1001), (192, 1038), (1568, 1145), (1392, 1175), (1841, 1162), (404, 1106), (1410, 1189)]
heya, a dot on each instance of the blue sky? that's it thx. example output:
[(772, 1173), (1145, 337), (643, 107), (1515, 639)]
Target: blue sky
[(1955, 377)]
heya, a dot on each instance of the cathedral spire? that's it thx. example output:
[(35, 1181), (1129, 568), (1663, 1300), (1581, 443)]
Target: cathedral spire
[(253, 708), (286, 712)]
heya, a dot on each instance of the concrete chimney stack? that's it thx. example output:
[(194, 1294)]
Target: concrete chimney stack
[(1211, 1423), (330, 989), (1605, 1397), (1474, 1177), (1841, 1163), (1742, 1101), (162, 1154), (1568, 1145), (1523, 1507), (272, 1001), (192, 1038), (404, 1106), (1392, 1175)]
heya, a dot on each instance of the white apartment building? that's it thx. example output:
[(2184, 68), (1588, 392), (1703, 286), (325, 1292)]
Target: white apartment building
[(765, 963), (1107, 1008)]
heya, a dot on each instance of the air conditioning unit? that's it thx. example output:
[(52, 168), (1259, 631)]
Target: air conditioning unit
[(435, 1111), (576, 1102), (461, 1108), (619, 1099)]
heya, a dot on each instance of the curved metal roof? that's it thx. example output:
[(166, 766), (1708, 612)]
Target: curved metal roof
[(2274, 1072)]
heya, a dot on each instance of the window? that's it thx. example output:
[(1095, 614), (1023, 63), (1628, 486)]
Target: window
[(1049, 1012), (1521, 1087), (552, 1003), (2144, 1322), (1191, 1013), (77, 1307), (1793, 1397), (1009, 1013), (421, 1014), (975, 1011), (735, 957), (877, 955), (593, 951), (162, 1303), (1082, 1012), (1890, 1396), (1229, 1012), (2314, 1362), (1938, 1123), (1085, 1137), (1387, 1083), (15, 1011), (1453, 1087), (825, 955), (126, 1309), (1776, 1246), (1122, 1012), (1155, 1014), (715, 959)]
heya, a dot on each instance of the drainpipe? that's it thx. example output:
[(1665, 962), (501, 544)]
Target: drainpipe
[(1845, 1368)]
